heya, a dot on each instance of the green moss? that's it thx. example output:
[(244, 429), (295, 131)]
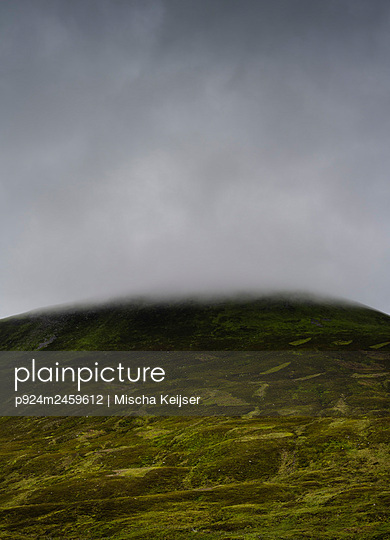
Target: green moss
[(299, 341), (380, 345), (266, 323), (274, 477), (178, 477)]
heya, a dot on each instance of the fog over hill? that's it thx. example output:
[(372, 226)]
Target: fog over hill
[(218, 323), (182, 147)]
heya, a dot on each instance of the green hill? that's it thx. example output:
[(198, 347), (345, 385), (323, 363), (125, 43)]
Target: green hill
[(285, 476), (272, 322)]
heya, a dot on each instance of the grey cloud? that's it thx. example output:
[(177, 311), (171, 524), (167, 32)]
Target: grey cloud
[(180, 146)]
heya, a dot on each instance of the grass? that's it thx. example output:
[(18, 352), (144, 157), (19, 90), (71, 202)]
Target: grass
[(209, 477), (271, 323), (308, 457)]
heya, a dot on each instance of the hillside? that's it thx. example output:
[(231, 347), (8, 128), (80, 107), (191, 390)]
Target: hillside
[(271, 322), (310, 462)]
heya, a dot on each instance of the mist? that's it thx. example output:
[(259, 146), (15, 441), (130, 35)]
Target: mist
[(175, 148)]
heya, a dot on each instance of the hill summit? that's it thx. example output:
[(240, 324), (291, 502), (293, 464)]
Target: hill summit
[(271, 322)]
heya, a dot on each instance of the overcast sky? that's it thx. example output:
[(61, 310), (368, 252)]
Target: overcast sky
[(184, 146)]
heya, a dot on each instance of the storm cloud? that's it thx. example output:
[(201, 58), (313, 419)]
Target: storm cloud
[(183, 146)]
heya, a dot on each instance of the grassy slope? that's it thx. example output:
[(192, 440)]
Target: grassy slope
[(206, 478), (269, 323)]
